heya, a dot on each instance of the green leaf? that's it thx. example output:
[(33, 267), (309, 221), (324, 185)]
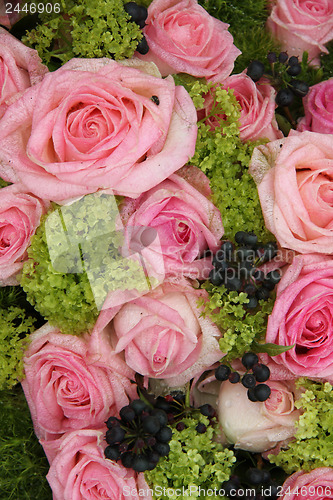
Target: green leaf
[(271, 349)]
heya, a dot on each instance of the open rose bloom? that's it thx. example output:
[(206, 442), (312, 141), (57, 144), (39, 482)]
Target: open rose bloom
[(318, 108), (317, 485)]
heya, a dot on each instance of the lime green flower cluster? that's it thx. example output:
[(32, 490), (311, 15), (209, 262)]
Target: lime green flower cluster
[(222, 156), (240, 327), (313, 442), (85, 28), (15, 327), (23, 465), (195, 460)]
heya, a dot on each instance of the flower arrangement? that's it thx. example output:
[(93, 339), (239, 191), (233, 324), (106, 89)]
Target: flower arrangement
[(166, 271)]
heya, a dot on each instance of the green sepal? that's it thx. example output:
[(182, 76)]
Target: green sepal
[(271, 349)]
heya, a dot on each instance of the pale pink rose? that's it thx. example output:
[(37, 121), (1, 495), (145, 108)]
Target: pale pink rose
[(68, 389), (302, 25), (318, 108), (257, 103), (20, 214), (185, 221), (294, 176), (92, 125), (79, 470), (162, 334), (258, 426), (314, 485), (303, 316), (20, 67), (183, 38)]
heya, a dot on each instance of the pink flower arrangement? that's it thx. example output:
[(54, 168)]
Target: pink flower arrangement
[(318, 109)]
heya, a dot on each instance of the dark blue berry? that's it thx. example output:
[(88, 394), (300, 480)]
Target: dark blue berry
[(138, 406), (127, 459), (294, 70), (274, 276), (222, 372), (112, 422), (252, 303), (293, 60), (250, 289), (262, 293), (255, 70), (228, 248), (164, 435), (112, 452), (151, 425), (271, 57), (137, 12), (142, 46), (140, 463), (250, 239), (207, 410), (215, 277), (201, 428), (161, 415), (262, 392), (258, 275), (284, 97), (261, 372), (233, 284), (249, 359), (251, 395), (234, 378), (255, 476), (300, 88), (248, 380), (239, 237), (162, 404), (180, 426), (283, 57), (115, 435), (162, 449), (268, 284), (127, 414)]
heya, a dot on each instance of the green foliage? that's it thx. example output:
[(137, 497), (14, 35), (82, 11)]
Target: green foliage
[(244, 16), (195, 460), (313, 442), (222, 156), (14, 331), (3, 183), (240, 327), (86, 28), (327, 62), (23, 465)]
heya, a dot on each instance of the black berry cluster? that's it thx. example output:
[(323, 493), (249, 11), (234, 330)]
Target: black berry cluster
[(237, 267), (282, 73), (256, 485), (139, 437), (260, 373), (138, 14)]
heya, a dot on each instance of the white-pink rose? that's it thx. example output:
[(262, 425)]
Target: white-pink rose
[(20, 67), (185, 221), (80, 470), (302, 25), (257, 105), (294, 176), (92, 125), (67, 388), (183, 38), (257, 427), (162, 334), (20, 214), (318, 109), (314, 485)]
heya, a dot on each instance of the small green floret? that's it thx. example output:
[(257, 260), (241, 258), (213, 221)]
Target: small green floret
[(15, 328), (240, 326), (313, 444), (195, 460), (86, 28)]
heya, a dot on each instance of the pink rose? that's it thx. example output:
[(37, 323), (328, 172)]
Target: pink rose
[(302, 25), (184, 38), (80, 470), (162, 334), (93, 125), (295, 184), (257, 104), (257, 427), (314, 485), (318, 108), (68, 389), (20, 214), (303, 316), (184, 220), (20, 67)]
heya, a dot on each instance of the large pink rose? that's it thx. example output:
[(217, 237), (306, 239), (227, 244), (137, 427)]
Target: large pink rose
[(314, 485), (93, 125), (184, 220), (20, 67), (318, 108), (80, 470), (258, 427), (257, 103), (295, 184), (68, 389), (162, 334), (184, 38), (20, 214), (303, 316), (302, 25)]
